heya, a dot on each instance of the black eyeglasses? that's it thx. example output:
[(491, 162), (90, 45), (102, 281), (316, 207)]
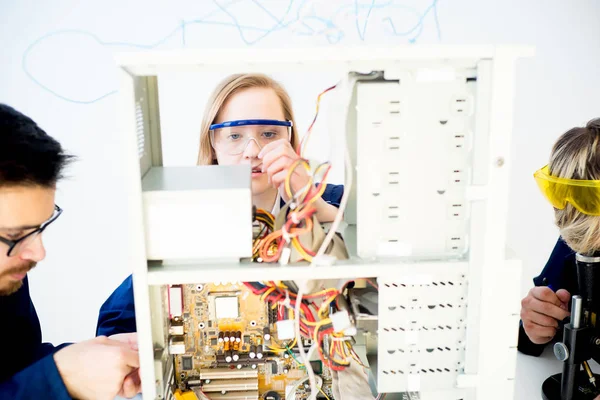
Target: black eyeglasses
[(16, 246)]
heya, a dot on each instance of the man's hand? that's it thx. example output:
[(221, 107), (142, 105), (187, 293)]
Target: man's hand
[(127, 338), (541, 311), (132, 384), (98, 368)]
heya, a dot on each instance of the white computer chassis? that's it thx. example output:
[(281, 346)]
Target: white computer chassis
[(448, 305)]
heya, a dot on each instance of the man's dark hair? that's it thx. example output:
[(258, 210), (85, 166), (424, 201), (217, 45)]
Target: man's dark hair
[(28, 155)]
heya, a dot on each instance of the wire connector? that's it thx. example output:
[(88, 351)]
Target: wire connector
[(294, 218), (287, 303), (284, 258), (341, 323), (285, 329)]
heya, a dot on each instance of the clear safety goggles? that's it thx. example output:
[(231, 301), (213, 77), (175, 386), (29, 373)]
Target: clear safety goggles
[(232, 137), (584, 195)]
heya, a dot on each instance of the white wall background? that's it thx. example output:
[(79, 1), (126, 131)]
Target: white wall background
[(56, 66)]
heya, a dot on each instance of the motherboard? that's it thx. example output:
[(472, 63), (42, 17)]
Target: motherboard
[(227, 343)]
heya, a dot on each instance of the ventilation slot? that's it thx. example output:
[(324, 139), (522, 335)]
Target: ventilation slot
[(456, 211), (458, 142), (139, 122), (393, 211), (454, 243), (457, 177), (394, 108), (461, 106), (393, 143)]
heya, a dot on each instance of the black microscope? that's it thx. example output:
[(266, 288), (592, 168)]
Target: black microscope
[(581, 339)]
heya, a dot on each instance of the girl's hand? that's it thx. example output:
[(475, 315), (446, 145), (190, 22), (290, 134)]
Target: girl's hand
[(277, 159)]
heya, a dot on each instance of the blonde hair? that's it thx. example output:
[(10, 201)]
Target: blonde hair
[(225, 89), (576, 155)]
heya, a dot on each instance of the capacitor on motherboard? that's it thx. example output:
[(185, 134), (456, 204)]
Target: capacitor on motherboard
[(228, 356), (267, 333), (235, 356), (226, 336), (252, 353), (232, 336), (238, 336), (259, 354), (221, 337)]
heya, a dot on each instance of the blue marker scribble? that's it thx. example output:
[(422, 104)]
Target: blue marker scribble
[(437, 23), (361, 32), (278, 22), (303, 22)]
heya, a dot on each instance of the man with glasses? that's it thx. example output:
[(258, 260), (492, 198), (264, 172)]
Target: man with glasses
[(31, 163)]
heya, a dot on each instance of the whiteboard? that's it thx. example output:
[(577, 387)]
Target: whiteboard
[(57, 67)]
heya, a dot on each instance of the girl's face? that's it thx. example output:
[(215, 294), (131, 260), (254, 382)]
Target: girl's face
[(252, 103)]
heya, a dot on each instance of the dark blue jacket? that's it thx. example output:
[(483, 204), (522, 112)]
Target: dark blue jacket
[(117, 314), (27, 368), (559, 273)]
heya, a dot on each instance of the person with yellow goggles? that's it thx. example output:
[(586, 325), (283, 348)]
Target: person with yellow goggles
[(571, 183)]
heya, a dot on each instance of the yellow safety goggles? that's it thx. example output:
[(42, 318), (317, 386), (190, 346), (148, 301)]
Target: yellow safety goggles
[(584, 195)]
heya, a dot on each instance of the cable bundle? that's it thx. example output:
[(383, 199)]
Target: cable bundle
[(335, 349), (269, 246)]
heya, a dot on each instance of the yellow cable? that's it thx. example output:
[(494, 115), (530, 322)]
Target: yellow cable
[(325, 322), (304, 141), (324, 306), (344, 352), (287, 185), (340, 362), (322, 293), (323, 393), (299, 249), (332, 358), (317, 327), (265, 294), (323, 186), (291, 345)]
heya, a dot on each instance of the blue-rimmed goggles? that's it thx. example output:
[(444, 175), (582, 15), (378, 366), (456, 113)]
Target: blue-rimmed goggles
[(232, 137)]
